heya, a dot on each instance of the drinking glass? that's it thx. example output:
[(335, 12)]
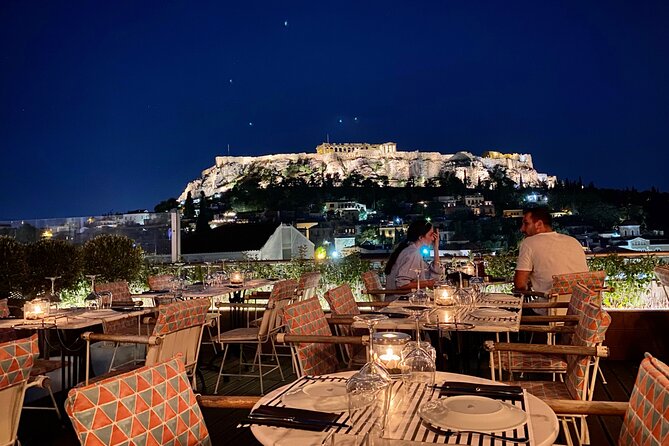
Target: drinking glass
[(368, 390), (418, 364), (373, 366)]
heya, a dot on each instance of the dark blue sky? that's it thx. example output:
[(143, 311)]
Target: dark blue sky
[(111, 106)]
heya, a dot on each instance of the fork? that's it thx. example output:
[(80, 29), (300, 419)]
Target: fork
[(449, 433), (487, 434)]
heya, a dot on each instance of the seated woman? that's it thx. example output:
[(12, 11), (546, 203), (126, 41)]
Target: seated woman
[(406, 261)]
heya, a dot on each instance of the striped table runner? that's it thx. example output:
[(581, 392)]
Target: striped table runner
[(404, 422)]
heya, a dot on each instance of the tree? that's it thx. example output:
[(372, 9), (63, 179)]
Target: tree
[(166, 205), (112, 257), (189, 207), (52, 258), (13, 266), (204, 216)]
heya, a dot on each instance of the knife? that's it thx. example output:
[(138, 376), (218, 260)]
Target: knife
[(482, 389), (295, 420)]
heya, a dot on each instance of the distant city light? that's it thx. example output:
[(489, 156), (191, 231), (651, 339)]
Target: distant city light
[(334, 254)]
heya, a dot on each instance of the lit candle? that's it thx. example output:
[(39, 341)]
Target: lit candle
[(36, 309), (443, 295), (387, 349), (236, 277), (390, 359)]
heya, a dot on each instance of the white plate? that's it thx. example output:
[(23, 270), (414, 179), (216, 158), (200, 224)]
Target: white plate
[(492, 312), (336, 402), (467, 412), (325, 389)]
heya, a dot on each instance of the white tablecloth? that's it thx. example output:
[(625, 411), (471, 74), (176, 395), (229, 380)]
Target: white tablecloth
[(544, 422)]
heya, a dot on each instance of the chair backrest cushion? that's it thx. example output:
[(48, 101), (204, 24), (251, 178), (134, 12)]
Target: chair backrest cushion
[(371, 281), (592, 326), (307, 318), (16, 360), (284, 289), (120, 292), (306, 286), (580, 297), (564, 283), (181, 315), (152, 405), (4, 309), (647, 417), (161, 282), (341, 300), (662, 274)]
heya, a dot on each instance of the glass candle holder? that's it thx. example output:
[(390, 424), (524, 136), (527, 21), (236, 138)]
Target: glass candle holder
[(36, 309), (388, 349), (444, 295), (237, 277)]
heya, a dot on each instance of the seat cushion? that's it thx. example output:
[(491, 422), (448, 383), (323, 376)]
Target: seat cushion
[(544, 389), (532, 362), (239, 335)]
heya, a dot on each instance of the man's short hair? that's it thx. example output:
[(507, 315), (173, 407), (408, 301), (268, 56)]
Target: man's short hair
[(540, 213)]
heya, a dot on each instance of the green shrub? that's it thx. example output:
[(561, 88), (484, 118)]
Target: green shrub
[(51, 258), (13, 266), (113, 258)]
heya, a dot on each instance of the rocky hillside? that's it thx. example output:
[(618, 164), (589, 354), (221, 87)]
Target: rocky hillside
[(393, 169)]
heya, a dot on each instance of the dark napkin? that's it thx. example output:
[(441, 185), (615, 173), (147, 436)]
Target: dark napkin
[(392, 314), (454, 388), (303, 419)]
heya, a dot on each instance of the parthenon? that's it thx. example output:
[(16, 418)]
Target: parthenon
[(352, 147)]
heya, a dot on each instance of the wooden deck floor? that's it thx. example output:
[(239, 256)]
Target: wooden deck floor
[(42, 429)]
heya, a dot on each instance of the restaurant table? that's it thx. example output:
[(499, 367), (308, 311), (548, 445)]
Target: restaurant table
[(494, 313), (67, 325), (404, 423)]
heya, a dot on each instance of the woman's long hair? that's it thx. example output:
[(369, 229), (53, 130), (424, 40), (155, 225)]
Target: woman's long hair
[(416, 230)]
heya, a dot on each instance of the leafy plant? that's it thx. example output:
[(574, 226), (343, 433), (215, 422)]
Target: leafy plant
[(502, 265), (13, 266), (52, 258), (112, 257), (630, 278)]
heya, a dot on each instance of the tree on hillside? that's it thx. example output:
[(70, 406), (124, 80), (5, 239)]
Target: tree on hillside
[(204, 215), (189, 207), (166, 205)]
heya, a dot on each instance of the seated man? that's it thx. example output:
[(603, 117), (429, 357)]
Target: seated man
[(544, 253)]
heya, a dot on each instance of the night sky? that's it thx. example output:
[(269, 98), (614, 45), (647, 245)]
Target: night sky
[(116, 105)]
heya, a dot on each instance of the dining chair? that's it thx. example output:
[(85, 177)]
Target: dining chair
[(161, 282), (579, 382), (120, 293), (342, 303), (374, 289), (662, 274), (536, 362), (307, 285), (372, 284), (178, 329), (17, 358), (152, 405), (257, 337), (307, 318), (646, 415)]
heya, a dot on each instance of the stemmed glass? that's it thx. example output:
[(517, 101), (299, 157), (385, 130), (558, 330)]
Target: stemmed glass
[(53, 297), (370, 386), (92, 298), (418, 364)]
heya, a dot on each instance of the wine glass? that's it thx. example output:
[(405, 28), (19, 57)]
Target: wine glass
[(370, 386), (373, 366), (53, 297), (92, 298)]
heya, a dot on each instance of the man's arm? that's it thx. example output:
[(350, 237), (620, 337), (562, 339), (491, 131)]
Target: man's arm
[(521, 280)]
